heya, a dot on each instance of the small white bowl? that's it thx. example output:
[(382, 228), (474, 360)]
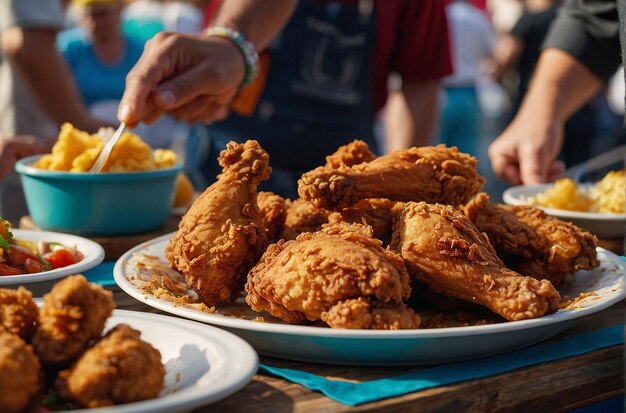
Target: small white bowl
[(602, 225)]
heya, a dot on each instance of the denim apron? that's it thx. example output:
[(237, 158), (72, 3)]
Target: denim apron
[(317, 96)]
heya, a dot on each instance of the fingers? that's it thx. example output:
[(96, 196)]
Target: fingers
[(154, 65), (504, 162)]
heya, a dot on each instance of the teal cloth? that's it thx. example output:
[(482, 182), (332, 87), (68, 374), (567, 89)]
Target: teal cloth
[(354, 394), (101, 274)]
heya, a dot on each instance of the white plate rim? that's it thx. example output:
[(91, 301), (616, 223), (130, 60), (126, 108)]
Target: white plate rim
[(511, 196), (93, 255), (243, 365), (248, 325)]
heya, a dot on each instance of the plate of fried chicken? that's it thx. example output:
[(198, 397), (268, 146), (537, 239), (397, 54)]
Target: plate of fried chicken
[(390, 260)]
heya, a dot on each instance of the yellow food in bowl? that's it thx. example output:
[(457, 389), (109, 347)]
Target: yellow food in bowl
[(607, 196), (76, 151)]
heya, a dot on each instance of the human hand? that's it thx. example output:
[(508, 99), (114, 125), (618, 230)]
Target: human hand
[(13, 149), (191, 77), (525, 153)]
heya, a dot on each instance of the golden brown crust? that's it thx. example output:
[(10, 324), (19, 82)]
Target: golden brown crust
[(18, 312), (445, 250), (221, 236), (120, 368), (273, 212), (74, 313), (532, 242), (300, 279), (19, 373), (432, 174), (353, 153)]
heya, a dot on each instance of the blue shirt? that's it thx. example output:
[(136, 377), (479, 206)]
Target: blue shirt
[(96, 80)]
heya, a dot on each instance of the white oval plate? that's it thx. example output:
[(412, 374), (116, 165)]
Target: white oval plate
[(604, 226), (92, 251), (371, 347), (203, 364)]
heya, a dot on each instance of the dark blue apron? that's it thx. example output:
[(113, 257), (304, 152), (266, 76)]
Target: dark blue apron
[(318, 93)]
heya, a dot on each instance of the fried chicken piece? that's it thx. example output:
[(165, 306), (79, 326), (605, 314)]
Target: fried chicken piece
[(531, 242), (120, 368), (73, 314), (431, 174), (273, 209), (365, 313), (318, 275), (19, 373), (221, 236), (377, 213), (302, 216), (442, 248), (351, 154), (18, 312)]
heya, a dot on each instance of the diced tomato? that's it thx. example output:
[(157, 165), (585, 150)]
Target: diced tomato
[(8, 270), (18, 255), (32, 266), (60, 258)]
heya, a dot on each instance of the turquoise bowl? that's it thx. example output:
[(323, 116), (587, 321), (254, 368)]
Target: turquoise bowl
[(97, 204)]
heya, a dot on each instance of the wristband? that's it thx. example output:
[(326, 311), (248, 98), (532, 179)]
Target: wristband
[(247, 49)]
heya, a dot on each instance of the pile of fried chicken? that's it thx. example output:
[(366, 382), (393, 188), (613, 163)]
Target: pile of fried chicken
[(59, 350), (364, 233)]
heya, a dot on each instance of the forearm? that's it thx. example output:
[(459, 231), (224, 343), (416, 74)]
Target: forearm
[(412, 115), (258, 20), (52, 84), (560, 86)]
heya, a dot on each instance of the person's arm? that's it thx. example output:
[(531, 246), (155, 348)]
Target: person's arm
[(34, 56), (411, 115), (580, 53), (194, 77), (526, 151)]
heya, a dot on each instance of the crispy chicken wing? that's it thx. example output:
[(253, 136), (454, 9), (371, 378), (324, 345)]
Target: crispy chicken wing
[(221, 236), (531, 242), (431, 174), (19, 373), (340, 275), (273, 209), (120, 368), (442, 248), (73, 314), (18, 312)]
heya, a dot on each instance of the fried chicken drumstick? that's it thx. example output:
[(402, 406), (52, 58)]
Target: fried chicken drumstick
[(339, 275), (432, 174), (442, 248), (222, 235), (531, 242)]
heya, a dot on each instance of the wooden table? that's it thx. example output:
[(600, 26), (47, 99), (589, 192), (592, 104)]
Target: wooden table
[(555, 386)]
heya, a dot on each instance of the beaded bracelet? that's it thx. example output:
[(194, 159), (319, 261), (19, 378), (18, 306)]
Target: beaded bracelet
[(247, 49)]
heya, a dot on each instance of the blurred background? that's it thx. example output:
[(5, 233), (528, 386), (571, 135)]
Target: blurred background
[(494, 45)]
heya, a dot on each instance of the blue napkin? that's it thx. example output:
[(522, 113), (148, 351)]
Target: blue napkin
[(101, 274), (353, 394)]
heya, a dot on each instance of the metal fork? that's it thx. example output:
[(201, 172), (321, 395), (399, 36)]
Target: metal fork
[(106, 150), (605, 159)]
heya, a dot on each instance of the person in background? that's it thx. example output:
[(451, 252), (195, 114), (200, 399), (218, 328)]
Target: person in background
[(37, 91), (580, 54), (519, 51), (319, 86), (472, 43)]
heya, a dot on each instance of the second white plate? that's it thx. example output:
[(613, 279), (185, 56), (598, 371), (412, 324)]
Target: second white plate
[(370, 347), (92, 251)]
